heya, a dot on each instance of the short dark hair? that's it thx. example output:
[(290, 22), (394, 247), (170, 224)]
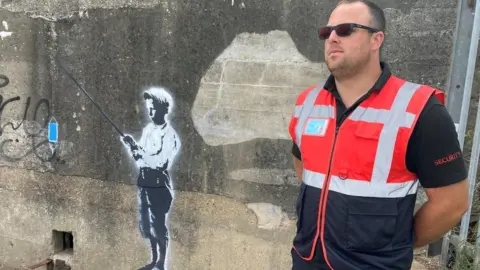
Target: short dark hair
[(378, 17)]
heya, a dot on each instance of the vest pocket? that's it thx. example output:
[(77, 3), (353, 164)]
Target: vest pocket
[(371, 225), (365, 146)]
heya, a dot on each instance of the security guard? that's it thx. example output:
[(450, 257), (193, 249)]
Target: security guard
[(363, 143)]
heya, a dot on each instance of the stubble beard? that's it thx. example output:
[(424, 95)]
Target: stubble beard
[(348, 68)]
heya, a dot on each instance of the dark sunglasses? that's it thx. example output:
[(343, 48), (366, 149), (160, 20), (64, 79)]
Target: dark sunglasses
[(342, 30)]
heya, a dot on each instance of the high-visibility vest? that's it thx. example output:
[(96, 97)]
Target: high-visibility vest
[(358, 175)]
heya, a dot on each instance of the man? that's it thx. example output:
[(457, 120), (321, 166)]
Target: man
[(363, 142), (154, 154)]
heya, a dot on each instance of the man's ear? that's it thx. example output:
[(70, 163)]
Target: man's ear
[(377, 40)]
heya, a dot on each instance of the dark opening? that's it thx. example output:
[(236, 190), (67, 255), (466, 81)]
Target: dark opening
[(62, 241)]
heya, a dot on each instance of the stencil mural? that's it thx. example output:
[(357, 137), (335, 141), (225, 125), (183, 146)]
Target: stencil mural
[(154, 154)]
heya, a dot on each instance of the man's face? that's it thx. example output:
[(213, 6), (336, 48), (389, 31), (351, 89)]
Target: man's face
[(346, 55)]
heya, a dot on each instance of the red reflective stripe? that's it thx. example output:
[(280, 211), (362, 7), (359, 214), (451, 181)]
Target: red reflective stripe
[(440, 96), (291, 128)]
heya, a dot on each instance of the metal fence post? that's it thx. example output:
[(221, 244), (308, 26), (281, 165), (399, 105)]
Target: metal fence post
[(465, 40)]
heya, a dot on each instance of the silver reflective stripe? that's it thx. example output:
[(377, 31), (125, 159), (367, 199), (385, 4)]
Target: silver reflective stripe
[(305, 112), (382, 116), (361, 188), (298, 110), (319, 111), (313, 179), (392, 119), (322, 111), (386, 142)]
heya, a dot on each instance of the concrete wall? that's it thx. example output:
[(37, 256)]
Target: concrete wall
[(232, 68)]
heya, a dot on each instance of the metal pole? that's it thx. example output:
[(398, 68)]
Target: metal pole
[(472, 170), (460, 75), (472, 173), (458, 70)]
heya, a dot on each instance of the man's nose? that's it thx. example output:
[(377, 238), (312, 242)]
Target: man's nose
[(333, 38)]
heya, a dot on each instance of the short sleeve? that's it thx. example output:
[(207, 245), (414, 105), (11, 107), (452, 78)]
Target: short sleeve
[(434, 152), (296, 151)]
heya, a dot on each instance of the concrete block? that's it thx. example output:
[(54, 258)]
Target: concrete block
[(420, 22), (208, 96), (258, 98), (274, 46), (298, 75), (433, 73), (214, 73), (419, 49), (266, 176), (223, 126), (237, 72)]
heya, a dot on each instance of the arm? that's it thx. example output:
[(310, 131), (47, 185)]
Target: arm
[(133, 146), (443, 210), (297, 162), (434, 154)]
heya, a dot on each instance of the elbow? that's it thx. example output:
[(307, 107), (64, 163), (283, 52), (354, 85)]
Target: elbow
[(460, 209), (463, 207)]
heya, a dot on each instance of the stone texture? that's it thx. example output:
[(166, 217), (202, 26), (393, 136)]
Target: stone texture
[(206, 230), (234, 69)]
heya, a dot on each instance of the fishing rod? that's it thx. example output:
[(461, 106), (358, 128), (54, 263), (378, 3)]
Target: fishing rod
[(59, 64)]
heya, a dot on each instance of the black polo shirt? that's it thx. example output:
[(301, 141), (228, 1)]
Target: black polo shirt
[(433, 151)]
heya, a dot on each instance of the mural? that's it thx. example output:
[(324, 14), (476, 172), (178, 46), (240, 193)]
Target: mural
[(154, 154), (31, 144)]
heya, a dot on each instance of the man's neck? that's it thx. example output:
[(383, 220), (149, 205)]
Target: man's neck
[(353, 88)]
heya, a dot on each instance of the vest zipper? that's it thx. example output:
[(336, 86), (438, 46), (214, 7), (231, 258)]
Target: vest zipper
[(323, 199)]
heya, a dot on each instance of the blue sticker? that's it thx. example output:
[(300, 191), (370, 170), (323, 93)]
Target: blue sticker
[(53, 131), (316, 127)]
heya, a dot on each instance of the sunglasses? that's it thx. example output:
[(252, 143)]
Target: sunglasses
[(342, 30)]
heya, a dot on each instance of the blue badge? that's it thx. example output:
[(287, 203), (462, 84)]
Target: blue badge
[(53, 131), (316, 127)]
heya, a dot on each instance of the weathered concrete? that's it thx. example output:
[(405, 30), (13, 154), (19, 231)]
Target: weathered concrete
[(209, 231), (233, 69)]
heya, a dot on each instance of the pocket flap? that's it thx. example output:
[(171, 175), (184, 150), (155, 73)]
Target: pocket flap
[(369, 130), (369, 207)]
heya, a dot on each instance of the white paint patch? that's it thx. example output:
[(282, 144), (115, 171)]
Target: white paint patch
[(269, 216), (249, 91), (4, 34)]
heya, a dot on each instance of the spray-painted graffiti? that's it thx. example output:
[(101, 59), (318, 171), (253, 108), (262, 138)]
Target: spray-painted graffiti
[(154, 154), (34, 129)]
